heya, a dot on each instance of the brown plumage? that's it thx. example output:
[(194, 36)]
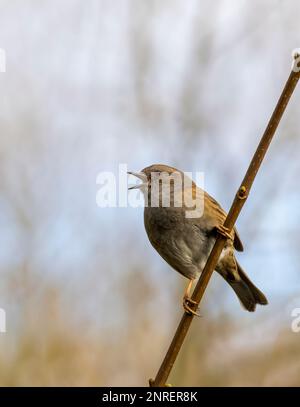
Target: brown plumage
[(185, 243)]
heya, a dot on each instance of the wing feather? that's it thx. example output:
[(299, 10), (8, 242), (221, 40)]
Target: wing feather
[(214, 210)]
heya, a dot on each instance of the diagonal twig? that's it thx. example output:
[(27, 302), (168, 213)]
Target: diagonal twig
[(236, 207)]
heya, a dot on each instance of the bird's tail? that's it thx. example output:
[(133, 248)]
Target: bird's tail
[(248, 294)]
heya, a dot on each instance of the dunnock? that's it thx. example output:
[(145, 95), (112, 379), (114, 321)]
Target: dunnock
[(185, 242)]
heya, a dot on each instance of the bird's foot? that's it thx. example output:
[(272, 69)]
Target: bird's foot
[(224, 231), (189, 306)]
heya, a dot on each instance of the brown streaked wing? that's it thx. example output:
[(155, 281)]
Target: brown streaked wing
[(218, 212)]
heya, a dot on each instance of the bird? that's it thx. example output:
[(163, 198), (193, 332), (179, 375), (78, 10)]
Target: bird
[(185, 242)]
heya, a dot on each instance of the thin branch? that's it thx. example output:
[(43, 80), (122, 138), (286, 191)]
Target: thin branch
[(236, 207)]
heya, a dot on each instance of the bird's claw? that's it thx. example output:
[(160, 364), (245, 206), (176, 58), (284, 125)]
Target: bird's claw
[(189, 305), (224, 231)]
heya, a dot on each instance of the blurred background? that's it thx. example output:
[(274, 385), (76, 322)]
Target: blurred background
[(92, 84)]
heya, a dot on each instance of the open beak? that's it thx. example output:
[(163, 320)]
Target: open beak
[(139, 175)]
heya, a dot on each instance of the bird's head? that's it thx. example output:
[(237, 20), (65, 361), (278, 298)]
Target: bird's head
[(165, 186), (154, 172)]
